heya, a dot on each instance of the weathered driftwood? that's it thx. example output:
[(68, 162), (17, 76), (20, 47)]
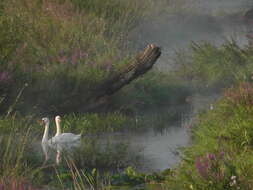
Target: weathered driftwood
[(143, 62)]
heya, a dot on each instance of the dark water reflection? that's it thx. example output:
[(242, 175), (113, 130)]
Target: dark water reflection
[(158, 150), (154, 147)]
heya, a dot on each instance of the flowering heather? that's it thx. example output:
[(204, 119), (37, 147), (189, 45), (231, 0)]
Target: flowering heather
[(78, 55), (73, 57), (5, 76), (243, 95), (203, 166), (15, 184), (209, 166)]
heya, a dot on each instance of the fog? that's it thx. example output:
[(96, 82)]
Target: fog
[(214, 21)]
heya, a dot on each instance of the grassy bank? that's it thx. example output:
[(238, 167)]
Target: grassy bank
[(221, 154)]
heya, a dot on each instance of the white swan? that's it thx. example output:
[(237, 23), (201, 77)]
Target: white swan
[(45, 143), (64, 138), (61, 141), (45, 120)]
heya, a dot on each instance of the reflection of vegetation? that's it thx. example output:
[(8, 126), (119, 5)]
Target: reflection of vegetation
[(105, 155), (94, 123)]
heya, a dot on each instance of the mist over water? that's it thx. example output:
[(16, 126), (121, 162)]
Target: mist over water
[(213, 21)]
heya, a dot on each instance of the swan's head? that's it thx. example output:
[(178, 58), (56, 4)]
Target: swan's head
[(45, 120), (57, 118)]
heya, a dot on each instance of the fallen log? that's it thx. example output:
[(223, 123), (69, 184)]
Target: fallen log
[(142, 63)]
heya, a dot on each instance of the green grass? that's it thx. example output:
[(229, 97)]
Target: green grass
[(62, 49), (215, 67)]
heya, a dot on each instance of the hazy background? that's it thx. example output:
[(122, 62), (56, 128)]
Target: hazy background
[(182, 22)]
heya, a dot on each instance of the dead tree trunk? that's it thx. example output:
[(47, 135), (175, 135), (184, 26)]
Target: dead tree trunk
[(142, 63)]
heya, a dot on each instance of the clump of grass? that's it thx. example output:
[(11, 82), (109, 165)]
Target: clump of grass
[(106, 155), (16, 184), (83, 179), (16, 166), (130, 177), (215, 67)]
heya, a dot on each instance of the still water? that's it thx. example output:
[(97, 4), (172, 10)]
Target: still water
[(154, 147)]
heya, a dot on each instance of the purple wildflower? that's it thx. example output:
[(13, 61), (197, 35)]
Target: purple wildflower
[(77, 55), (202, 166), (211, 156), (222, 154), (5, 76), (63, 59), (107, 66), (210, 166)]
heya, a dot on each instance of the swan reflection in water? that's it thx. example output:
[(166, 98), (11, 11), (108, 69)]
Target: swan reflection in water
[(60, 142), (46, 149)]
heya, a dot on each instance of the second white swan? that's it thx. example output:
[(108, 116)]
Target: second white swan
[(64, 137)]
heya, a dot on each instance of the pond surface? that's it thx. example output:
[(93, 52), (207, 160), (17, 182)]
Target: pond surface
[(154, 147), (160, 148), (159, 151)]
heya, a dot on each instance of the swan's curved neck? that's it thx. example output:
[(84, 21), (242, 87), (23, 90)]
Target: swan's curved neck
[(45, 135), (58, 128)]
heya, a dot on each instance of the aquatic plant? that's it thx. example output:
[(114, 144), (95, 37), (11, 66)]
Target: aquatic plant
[(130, 177)]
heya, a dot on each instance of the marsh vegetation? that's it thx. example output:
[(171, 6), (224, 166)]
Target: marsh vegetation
[(53, 55)]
